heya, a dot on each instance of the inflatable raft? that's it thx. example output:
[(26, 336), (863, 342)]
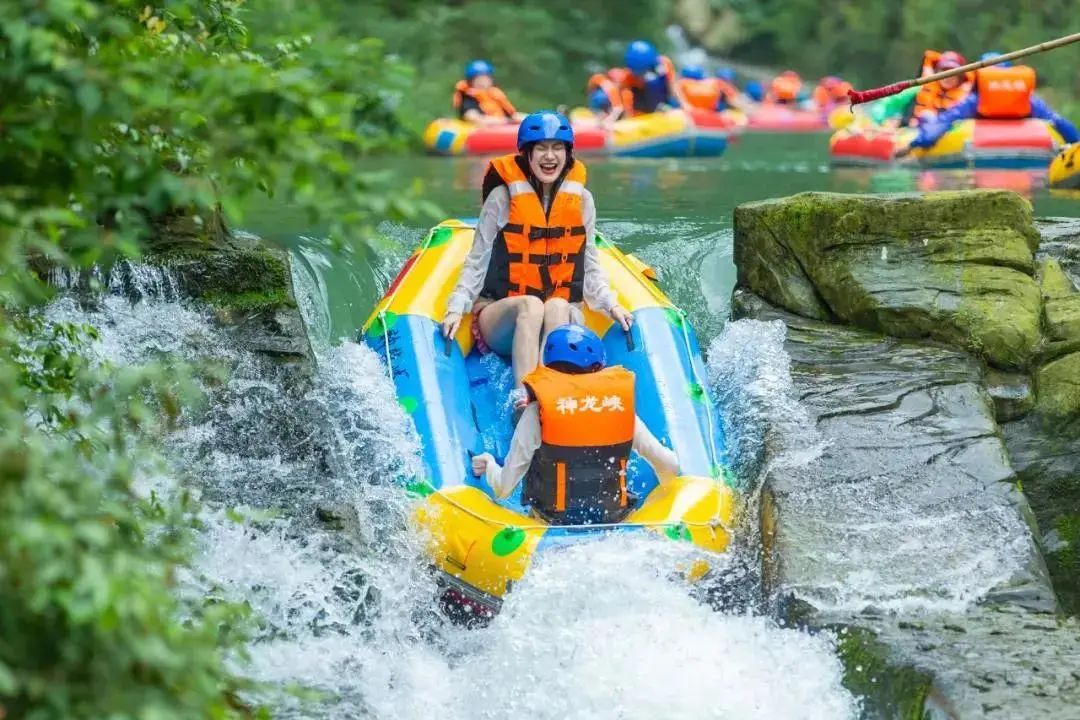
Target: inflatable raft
[(457, 398), (1026, 143), (782, 118), (1064, 173), (667, 134)]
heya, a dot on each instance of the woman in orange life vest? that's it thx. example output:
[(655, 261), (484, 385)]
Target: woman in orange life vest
[(573, 442), (478, 100), (936, 97), (533, 260)]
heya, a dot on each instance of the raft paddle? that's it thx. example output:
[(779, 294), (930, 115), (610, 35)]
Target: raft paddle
[(861, 96)]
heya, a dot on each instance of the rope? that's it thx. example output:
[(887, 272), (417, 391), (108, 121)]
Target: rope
[(663, 299), (393, 296), (711, 524)]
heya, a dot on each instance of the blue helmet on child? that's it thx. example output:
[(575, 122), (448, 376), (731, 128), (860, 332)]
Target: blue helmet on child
[(598, 100), (726, 73), (575, 345), (693, 72), (641, 57), (544, 125), (994, 54), (478, 67)]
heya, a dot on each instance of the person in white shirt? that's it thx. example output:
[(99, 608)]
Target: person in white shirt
[(534, 259)]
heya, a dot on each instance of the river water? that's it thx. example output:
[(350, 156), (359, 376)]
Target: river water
[(595, 632)]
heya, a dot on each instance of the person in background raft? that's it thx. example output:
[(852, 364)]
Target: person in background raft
[(573, 441), (478, 100), (701, 93), (785, 89), (652, 79), (924, 102), (1002, 92), (534, 259), (729, 91), (831, 92), (609, 96)]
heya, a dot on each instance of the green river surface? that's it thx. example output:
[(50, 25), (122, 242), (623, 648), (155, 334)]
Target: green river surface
[(674, 213)]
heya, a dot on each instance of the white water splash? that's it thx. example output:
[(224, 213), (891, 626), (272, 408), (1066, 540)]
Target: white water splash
[(595, 631), (750, 373)]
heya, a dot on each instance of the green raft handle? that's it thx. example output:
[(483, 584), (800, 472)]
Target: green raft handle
[(630, 339), (448, 344)]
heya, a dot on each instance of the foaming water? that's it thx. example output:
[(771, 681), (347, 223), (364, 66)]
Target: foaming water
[(302, 520), (750, 373)]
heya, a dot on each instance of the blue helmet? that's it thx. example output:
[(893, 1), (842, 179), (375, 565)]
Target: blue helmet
[(598, 100), (693, 72), (478, 67), (755, 91), (726, 73), (641, 57), (576, 345), (544, 125), (993, 54)]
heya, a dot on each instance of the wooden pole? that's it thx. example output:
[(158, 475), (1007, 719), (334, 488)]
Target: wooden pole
[(861, 96)]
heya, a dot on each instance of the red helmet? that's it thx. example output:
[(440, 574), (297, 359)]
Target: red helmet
[(949, 59)]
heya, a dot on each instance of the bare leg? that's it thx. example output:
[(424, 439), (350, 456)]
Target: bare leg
[(511, 326), (556, 313)]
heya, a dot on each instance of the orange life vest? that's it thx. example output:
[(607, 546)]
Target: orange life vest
[(701, 94), (492, 101), (785, 87), (619, 96), (537, 253), (933, 96), (586, 433), (1005, 92)]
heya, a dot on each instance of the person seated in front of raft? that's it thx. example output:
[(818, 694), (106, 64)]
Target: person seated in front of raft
[(533, 260), (478, 100), (574, 439), (651, 79), (1002, 92)]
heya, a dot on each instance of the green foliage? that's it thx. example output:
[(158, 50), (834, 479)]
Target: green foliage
[(91, 626), (874, 43), (543, 51), (117, 119), (116, 113)]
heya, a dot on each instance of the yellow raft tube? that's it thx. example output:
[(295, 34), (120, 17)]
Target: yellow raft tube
[(457, 399)]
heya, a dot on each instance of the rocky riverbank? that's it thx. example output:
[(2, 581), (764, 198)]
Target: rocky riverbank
[(932, 343)]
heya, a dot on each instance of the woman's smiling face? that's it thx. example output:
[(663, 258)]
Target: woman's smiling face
[(547, 160)]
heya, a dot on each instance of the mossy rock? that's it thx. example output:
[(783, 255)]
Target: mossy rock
[(957, 267), (889, 688), (1063, 317), (1012, 393), (1058, 386), (1054, 282)]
